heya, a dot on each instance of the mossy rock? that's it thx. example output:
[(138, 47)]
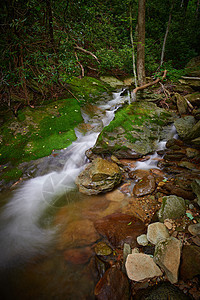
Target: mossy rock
[(172, 207), (136, 129)]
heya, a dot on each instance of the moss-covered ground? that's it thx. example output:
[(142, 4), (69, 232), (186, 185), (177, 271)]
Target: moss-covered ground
[(36, 132)]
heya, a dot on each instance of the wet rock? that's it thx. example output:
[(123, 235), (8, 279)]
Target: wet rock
[(181, 104), (194, 229), (191, 152), (115, 196), (126, 251), (78, 234), (144, 186), (113, 285), (120, 228), (141, 266), (142, 240), (99, 176), (184, 126), (157, 232), (139, 174), (78, 255), (174, 144), (102, 249), (190, 262), (167, 256), (163, 291), (172, 207), (180, 187), (142, 123)]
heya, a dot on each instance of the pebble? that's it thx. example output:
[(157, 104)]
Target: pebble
[(142, 240), (194, 229)]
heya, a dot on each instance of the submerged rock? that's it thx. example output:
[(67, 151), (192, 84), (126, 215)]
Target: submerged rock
[(140, 266), (113, 285), (167, 256), (144, 186), (120, 228), (99, 176), (172, 207)]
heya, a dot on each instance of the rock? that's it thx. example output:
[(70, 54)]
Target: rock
[(134, 132), (102, 249), (194, 98), (180, 187), (115, 196), (99, 176), (174, 144), (184, 126), (191, 152), (157, 232), (112, 81), (167, 256), (78, 255), (120, 228), (140, 266), (196, 189), (78, 234), (139, 174), (172, 207), (194, 229), (193, 67), (195, 131), (162, 291), (142, 240), (145, 186), (181, 104), (190, 262), (113, 285), (126, 252)]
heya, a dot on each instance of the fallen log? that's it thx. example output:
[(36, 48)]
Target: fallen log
[(139, 88)]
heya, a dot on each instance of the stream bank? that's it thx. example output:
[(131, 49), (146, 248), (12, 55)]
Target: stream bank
[(95, 233)]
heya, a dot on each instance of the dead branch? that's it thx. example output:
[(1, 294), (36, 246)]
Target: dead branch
[(68, 91), (139, 88), (81, 66), (87, 52)]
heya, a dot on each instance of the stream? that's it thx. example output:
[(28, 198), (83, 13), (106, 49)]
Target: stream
[(35, 240)]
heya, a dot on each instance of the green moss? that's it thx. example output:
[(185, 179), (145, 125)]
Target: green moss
[(12, 174)]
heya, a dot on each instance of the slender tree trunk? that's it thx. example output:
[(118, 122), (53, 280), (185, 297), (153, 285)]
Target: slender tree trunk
[(141, 43), (165, 38), (50, 22), (133, 48)]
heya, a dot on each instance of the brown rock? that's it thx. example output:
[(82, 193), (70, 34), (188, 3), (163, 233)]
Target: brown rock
[(120, 228), (190, 262), (78, 234), (144, 186), (139, 174), (113, 285)]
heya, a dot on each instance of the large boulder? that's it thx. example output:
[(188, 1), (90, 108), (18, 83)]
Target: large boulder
[(184, 126), (193, 67), (140, 266), (172, 207), (99, 176), (167, 256), (135, 131)]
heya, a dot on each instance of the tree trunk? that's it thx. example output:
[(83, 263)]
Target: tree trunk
[(133, 48), (50, 23), (165, 38), (141, 43)]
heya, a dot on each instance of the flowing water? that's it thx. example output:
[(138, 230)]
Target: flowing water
[(35, 222)]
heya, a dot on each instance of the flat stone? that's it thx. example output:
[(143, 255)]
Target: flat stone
[(120, 228), (194, 229), (167, 256), (157, 232), (140, 266), (113, 285), (144, 186)]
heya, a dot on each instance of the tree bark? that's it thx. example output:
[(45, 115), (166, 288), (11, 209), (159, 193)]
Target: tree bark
[(141, 43), (133, 48)]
